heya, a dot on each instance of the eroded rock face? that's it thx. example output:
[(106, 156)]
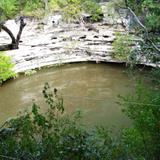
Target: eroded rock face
[(41, 45), (46, 43)]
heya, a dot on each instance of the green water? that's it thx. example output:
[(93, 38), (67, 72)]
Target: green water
[(91, 88)]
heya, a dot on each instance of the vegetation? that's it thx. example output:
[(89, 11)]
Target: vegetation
[(150, 10), (155, 76), (12, 8), (8, 8), (71, 9), (147, 11), (144, 109), (144, 20), (122, 47), (6, 67), (54, 136)]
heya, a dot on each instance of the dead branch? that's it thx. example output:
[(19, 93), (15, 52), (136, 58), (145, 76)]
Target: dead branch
[(145, 29), (9, 33), (15, 41), (22, 25)]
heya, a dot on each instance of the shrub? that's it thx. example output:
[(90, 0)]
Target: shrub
[(154, 76), (71, 12), (72, 9), (144, 109), (42, 137), (33, 8), (6, 67), (122, 47), (93, 9), (54, 136), (57, 136), (8, 8)]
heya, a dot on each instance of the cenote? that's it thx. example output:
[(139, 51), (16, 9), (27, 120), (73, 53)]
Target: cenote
[(89, 87)]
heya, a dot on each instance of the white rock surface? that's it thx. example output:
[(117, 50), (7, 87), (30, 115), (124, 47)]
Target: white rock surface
[(44, 45)]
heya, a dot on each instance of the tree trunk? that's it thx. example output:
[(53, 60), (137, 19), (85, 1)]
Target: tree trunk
[(15, 41)]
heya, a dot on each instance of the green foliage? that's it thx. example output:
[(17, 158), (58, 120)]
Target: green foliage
[(11, 8), (152, 20), (8, 8), (33, 8), (57, 136), (150, 10), (144, 109), (155, 76), (53, 136), (133, 143), (6, 67), (93, 9), (72, 9), (122, 47), (31, 5)]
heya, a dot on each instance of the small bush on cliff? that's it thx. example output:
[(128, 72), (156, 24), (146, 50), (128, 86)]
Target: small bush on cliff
[(122, 47), (93, 9), (33, 8), (72, 9), (6, 67)]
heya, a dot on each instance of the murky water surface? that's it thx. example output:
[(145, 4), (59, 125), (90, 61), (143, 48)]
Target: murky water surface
[(91, 88)]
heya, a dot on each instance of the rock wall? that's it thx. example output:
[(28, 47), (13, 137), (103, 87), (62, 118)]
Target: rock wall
[(44, 43)]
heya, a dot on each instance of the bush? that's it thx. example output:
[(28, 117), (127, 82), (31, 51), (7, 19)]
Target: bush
[(122, 47), (8, 8), (72, 9), (144, 109), (33, 8), (149, 10), (155, 76), (53, 136), (11, 8), (93, 9), (6, 67)]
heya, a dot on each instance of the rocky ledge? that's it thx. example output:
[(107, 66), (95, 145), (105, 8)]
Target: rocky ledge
[(47, 44)]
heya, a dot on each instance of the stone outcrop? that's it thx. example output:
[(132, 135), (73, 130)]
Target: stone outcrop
[(43, 45)]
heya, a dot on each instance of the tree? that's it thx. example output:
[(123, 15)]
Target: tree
[(143, 108), (7, 10), (143, 17), (15, 41), (146, 14), (6, 68)]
